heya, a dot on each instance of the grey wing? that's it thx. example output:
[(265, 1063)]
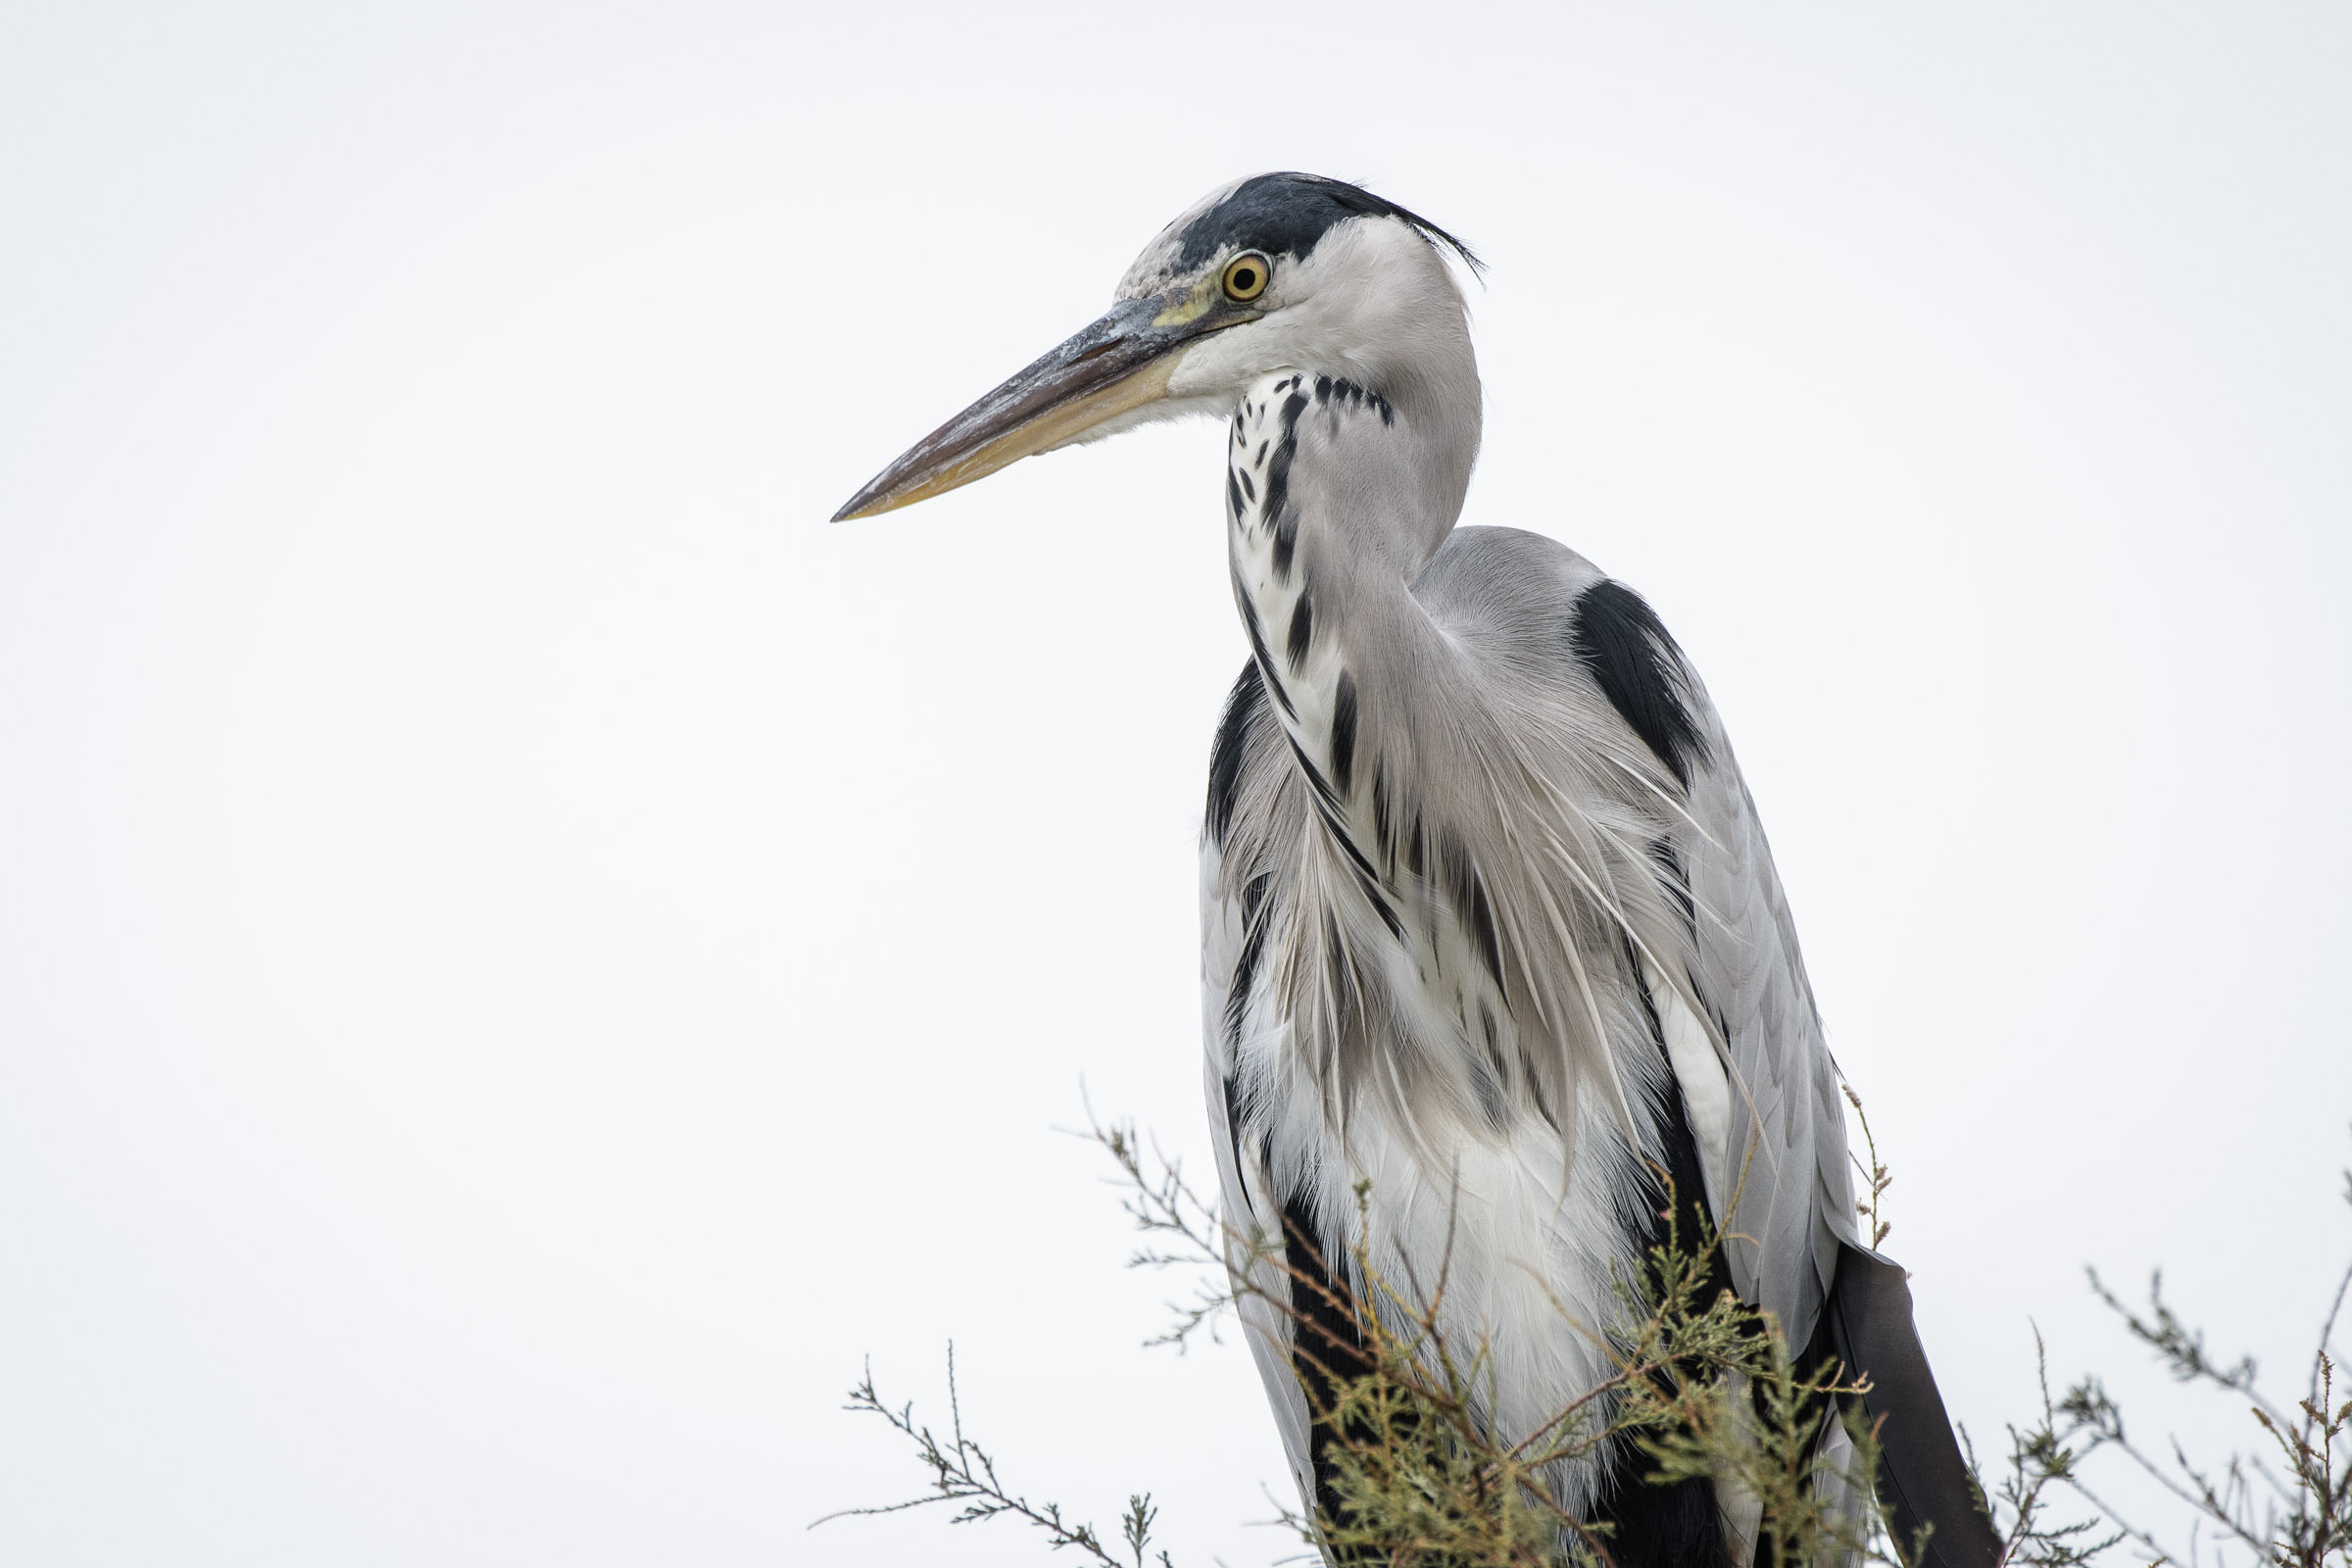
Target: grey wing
[(1788, 1159), (1791, 1236), (1786, 1150)]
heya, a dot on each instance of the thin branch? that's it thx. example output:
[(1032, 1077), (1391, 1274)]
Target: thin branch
[(964, 1473)]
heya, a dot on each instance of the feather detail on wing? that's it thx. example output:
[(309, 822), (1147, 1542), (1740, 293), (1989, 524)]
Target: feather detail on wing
[(1790, 1234), (1788, 1159), (1543, 875), (1789, 1201)]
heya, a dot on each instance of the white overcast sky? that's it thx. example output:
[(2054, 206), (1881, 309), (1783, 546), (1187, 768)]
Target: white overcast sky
[(525, 954)]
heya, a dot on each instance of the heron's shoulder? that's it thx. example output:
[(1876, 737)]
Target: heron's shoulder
[(1496, 577), (1535, 601), (1510, 560)]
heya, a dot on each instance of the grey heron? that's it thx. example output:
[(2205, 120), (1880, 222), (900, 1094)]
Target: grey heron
[(1490, 929)]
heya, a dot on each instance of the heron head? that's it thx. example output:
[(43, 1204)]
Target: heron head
[(1280, 272)]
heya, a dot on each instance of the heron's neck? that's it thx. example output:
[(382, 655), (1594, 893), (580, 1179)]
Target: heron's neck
[(1441, 416), (1337, 496), (1365, 471)]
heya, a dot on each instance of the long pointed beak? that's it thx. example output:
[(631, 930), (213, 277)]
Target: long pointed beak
[(1120, 362)]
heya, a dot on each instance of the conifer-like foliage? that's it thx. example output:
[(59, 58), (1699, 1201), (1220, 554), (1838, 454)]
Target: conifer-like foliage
[(1703, 1386)]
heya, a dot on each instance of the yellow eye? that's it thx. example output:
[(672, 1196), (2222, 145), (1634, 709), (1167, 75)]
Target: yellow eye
[(1246, 275)]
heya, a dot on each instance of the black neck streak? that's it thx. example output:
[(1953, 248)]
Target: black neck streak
[(1287, 569)]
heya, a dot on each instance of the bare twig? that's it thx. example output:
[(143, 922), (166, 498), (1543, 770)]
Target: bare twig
[(1875, 1175), (964, 1473)]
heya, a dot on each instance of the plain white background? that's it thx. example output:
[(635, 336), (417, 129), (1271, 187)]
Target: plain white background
[(525, 954)]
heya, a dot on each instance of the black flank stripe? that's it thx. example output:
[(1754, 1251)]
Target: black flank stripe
[(1327, 1348), (1674, 1526), (1233, 493)]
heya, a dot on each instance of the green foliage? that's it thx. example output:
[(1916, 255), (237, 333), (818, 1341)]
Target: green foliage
[(1701, 1383), (1701, 1386), (2289, 1507), (1876, 1178)]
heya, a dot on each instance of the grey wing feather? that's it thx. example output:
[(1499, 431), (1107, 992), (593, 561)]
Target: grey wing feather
[(1787, 1152), (1788, 1159), (1792, 1234)]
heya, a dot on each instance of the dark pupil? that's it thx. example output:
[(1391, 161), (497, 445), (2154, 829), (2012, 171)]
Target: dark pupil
[(1245, 278)]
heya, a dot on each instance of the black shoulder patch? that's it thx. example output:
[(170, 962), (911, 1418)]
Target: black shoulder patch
[(1620, 640), (1287, 213), (1243, 706)]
